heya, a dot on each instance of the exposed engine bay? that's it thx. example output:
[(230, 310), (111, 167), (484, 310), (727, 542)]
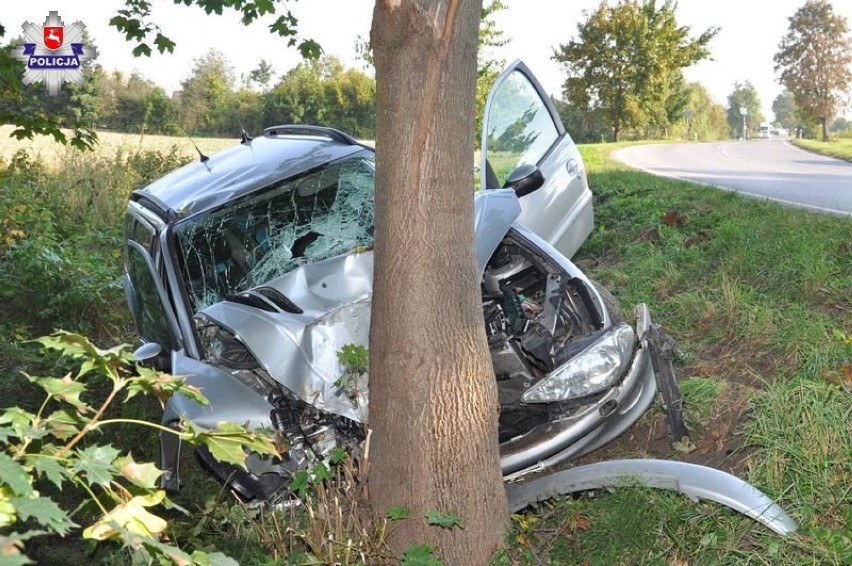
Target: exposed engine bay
[(536, 318)]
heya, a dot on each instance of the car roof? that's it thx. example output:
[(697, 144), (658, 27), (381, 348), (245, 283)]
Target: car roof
[(282, 152)]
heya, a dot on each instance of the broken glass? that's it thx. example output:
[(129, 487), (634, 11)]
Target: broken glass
[(255, 239)]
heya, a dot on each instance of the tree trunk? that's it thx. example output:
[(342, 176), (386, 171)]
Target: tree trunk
[(824, 122), (433, 395)]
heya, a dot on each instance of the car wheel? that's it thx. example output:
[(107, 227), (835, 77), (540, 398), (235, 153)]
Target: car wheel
[(610, 303)]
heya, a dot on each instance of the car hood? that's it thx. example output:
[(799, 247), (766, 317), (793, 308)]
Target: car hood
[(300, 350)]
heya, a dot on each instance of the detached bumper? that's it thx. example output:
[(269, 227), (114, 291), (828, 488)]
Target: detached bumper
[(594, 425)]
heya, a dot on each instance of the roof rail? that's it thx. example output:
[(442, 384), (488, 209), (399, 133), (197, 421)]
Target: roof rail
[(158, 207), (302, 130)]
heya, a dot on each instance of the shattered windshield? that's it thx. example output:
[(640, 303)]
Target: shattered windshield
[(255, 239)]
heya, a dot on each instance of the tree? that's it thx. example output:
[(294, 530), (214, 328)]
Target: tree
[(433, 403), (351, 103), (300, 97), (784, 108), (262, 75), (133, 20), (814, 61), (206, 94), (702, 117), (841, 125), (626, 63), (744, 96)]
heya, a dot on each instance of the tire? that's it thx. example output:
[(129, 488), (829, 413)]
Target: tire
[(610, 302)]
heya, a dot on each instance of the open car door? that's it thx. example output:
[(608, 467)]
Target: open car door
[(521, 129)]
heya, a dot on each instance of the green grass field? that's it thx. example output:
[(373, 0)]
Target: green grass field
[(109, 143), (759, 300), (840, 148)]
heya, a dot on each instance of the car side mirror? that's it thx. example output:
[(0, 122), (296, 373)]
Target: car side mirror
[(147, 352), (524, 179)]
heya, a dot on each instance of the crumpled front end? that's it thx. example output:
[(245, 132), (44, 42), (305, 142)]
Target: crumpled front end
[(294, 326), (588, 426)]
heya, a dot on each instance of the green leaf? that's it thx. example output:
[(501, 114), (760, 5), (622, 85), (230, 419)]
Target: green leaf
[(63, 424), (397, 513), (212, 559), (175, 555), (353, 358), (164, 44), (443, 520), (310, 49), (8, 516), (284, 25), (141, 49), (15, 476), (228, 442), (337, 455), (96, 462), (265, 6), (162, 385), (64, 388), (45, 512), (107, 362), (47, 466), (300, 482), (144, 475), (131, 516), (420, 555), (20, 422), (321, 472)]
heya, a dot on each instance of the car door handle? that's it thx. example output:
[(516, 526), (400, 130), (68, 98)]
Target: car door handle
[(572, 166)]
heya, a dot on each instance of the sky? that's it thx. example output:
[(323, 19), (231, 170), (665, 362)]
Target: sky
[(750, 31)]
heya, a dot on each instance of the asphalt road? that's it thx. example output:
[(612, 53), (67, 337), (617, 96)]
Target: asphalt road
[(767, 169)]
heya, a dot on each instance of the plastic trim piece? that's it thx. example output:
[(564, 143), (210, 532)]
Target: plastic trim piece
[(692, 480)]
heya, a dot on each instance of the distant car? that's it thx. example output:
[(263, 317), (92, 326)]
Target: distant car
[(250, 270)]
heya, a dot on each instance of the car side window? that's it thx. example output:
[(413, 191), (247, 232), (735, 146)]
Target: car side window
[(520, 129), (324, 213), (146, 300)]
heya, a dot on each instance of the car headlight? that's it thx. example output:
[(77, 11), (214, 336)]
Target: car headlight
[(594, 369), (221, 346)]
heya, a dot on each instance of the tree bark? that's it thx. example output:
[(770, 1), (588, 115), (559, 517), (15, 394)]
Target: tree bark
[(433, 395)]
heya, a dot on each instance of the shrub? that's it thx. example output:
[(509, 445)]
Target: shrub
[(51, 448), (61, 237)]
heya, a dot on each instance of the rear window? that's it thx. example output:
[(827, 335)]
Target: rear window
[(325, 213)]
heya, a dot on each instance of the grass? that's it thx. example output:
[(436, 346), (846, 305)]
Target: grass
[(109, 143), (840, 148), (759, 300)]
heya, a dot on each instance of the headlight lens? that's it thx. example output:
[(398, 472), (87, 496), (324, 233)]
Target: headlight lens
[(592, 370), (219, 345)]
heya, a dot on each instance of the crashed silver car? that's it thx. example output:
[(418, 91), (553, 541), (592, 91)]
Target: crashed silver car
[(250, 270)]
